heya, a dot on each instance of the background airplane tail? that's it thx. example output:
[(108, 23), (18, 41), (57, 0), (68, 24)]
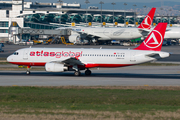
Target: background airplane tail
[(147, 22), (155, 39)]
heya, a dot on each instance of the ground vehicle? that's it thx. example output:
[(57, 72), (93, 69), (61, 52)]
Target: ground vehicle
[(1, 45)]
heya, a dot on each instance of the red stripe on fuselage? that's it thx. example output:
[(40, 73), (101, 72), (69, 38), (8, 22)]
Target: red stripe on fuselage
[(106, 65), (80, 66), (29, 63)]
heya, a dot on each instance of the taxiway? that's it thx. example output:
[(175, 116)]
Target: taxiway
[(128, 76)]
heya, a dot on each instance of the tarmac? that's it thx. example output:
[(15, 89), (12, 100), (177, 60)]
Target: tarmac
[(127, 76)]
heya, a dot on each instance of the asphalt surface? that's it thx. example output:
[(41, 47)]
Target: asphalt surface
[(174, 50), (127, 76)]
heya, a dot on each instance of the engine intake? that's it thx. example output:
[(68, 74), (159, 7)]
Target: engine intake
[(74, 38)]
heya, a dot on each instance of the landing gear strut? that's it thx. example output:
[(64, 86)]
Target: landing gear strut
[(87, 72), (28, 70)]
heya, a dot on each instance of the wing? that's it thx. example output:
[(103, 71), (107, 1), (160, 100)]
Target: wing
[(82, 33), (70, 61), (144, 32)]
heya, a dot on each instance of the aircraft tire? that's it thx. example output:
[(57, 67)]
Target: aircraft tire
[(77, 73), (28, 72), (87, 72)]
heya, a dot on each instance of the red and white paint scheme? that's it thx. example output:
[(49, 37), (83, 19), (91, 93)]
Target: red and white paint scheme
[(113, 33), (146, 23), (75, 59)]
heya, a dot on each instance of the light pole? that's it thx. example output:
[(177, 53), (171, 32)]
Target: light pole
[(60, 2), (134, 14), (161, 14), (101, 10), (125, 14), (144, 9), (170, 16), (86, 8), (179, 17), (113, 10)]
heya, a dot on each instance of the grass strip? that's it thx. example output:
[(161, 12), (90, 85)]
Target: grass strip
[(99, 96), (91, 102)]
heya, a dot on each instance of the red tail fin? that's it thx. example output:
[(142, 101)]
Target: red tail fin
[(155, 39), (146, 23)]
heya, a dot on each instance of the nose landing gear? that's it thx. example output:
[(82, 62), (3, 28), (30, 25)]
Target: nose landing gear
[(28, 70)]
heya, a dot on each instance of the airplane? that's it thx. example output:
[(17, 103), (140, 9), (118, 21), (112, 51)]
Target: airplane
[(75, 59), (172, 33), (95, 34)]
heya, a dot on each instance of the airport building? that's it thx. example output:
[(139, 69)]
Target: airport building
[(53, 15)]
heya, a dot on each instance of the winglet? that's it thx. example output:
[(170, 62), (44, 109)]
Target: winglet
[(155, 39), (146, 23)]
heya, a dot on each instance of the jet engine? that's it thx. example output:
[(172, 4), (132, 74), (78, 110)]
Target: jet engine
[(74, 38), (55, 67)]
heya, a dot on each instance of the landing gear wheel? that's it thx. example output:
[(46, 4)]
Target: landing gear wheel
[(87, 72), (77, 73), (28, 72)]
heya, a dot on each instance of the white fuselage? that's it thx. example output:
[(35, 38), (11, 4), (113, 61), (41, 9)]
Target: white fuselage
[(172, 33), (88, 57), (104, 33)]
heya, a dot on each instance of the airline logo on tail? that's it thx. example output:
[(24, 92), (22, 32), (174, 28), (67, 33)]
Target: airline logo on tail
[(146, 23), (155, 39)]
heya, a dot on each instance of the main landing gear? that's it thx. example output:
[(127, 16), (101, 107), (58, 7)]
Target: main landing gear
[(78, 73), (28, 70), (87, 72)]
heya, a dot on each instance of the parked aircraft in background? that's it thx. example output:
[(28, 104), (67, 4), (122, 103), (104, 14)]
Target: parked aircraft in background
[(172, 33), (115, 33), (75, 59)]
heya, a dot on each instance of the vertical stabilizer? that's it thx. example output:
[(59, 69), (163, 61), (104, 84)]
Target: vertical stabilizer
[(147, 22), (155, 39)]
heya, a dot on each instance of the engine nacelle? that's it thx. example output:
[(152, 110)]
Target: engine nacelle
[(74, 38), (55, 67)]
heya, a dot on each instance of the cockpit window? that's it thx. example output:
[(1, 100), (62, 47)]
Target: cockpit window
[(15, 53)]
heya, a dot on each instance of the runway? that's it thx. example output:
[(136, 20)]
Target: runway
[(129, 76)]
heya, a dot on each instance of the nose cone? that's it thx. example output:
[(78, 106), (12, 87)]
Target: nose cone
[(9, 58)]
